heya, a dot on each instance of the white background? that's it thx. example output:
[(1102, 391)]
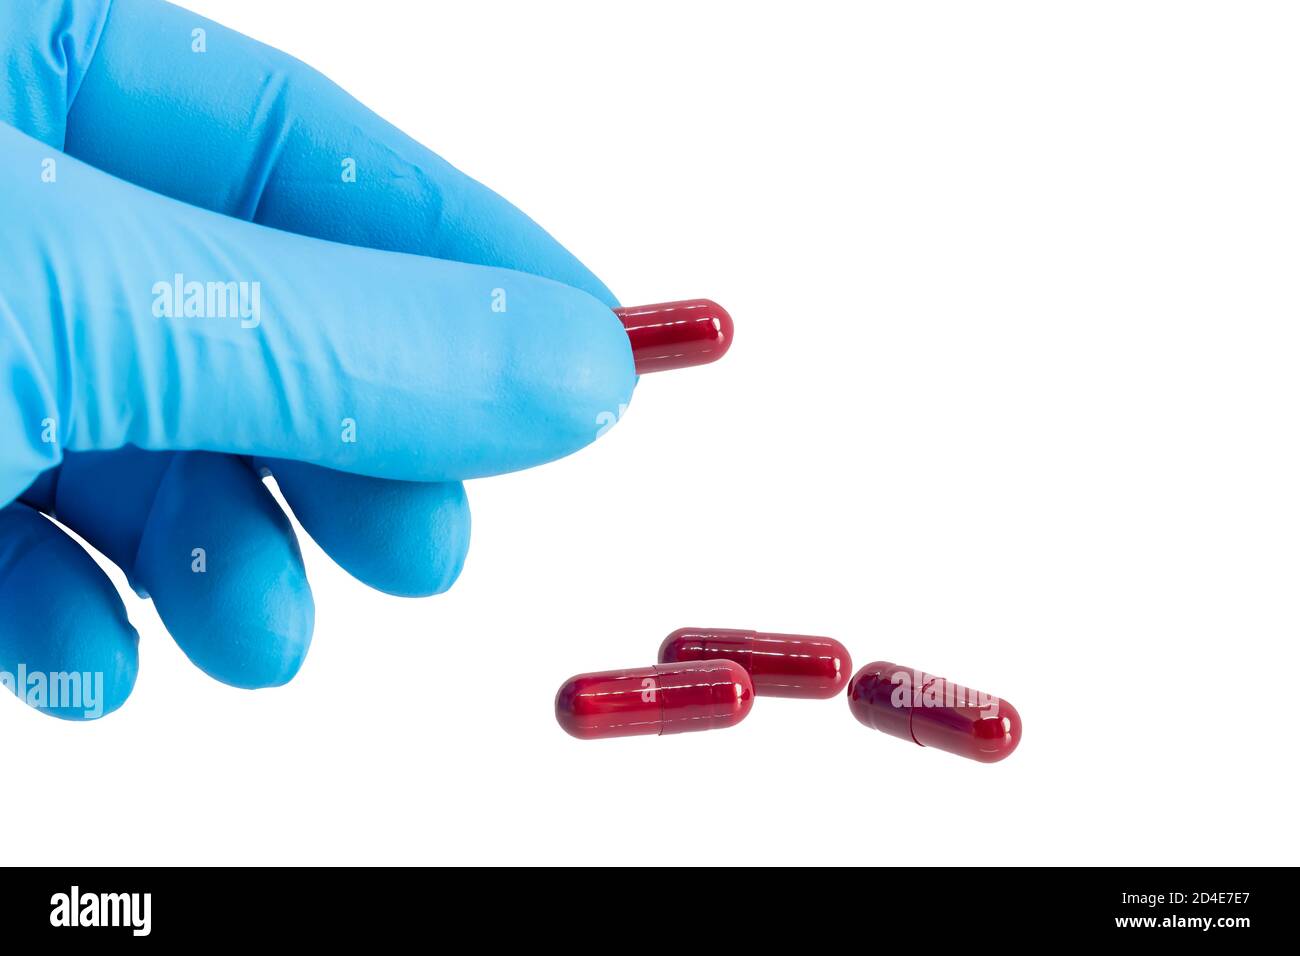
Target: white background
[(1014, 399)]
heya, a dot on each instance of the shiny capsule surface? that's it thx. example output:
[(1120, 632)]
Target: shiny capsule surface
[(780, 665), (934, 712), (661, 699), (669, 335)]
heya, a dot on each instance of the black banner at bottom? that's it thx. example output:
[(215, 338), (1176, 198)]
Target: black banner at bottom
[(1176, 907)]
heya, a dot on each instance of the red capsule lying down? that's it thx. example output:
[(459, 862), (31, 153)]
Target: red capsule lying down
[(662, 699), (670, 335), (780, 665), (934, 712)]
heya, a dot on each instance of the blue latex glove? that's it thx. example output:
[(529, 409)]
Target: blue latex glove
[(370, 381)]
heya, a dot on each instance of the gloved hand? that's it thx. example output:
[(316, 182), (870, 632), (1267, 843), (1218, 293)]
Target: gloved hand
[(159, 354)]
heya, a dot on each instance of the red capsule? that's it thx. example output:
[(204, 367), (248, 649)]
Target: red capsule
[(670, 335), (780, 665), (934, 712), (663, 699)]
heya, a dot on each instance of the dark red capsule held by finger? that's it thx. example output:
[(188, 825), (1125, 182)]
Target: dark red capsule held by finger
[(934, 712), (661, 699), (669, 335), (780, 665)]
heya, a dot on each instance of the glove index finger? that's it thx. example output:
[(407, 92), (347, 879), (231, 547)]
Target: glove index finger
[(198, 331)]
